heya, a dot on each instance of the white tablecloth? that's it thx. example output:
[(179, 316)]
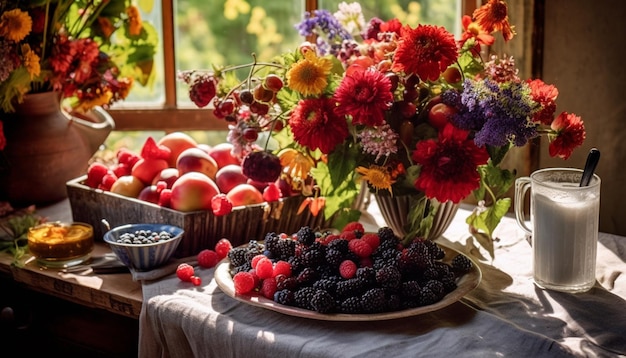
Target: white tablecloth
[(505, 316)]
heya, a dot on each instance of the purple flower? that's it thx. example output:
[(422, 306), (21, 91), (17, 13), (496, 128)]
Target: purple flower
[(330, 33)]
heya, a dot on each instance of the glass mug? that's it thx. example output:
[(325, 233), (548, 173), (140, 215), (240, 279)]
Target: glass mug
[(564, 219)]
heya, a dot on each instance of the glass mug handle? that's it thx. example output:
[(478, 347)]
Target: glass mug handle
[(522, 185)]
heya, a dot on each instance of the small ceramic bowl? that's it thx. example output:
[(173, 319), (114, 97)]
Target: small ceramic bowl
[(144, 256), (57, 244)]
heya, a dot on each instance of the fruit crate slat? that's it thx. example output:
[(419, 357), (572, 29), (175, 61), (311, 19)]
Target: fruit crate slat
[(202, 228)]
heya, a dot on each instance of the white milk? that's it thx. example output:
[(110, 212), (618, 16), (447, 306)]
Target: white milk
[(565, 236)]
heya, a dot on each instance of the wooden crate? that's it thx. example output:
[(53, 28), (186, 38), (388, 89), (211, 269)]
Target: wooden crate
[(202, 228)]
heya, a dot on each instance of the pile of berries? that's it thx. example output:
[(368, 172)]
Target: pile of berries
[(207, 258), (139, 237), (352, 272)]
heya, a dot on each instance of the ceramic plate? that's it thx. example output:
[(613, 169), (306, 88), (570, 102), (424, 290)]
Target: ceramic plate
[(465, 284)]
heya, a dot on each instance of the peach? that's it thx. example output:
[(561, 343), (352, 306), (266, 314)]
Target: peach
[(229, 176), (127, 185), (244, 194), (168, 175), (146, 169), (177, 142), (223, 154), (196, 160), (205, 147), (193, 191)]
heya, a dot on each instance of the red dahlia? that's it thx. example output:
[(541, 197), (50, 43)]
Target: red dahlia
[(426, 51), (449, 165), (571, 134), (364, 95), (315, 124)]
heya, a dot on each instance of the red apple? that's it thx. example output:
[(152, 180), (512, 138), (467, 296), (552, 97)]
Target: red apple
[(150, 194), (177, 142), (168, 175), (146, 169), (193, 191), (244, 194), (223, 155), (196, 160), (229, 176)]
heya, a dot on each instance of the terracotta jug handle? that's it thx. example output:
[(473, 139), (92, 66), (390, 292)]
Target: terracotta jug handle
[(94, 126)]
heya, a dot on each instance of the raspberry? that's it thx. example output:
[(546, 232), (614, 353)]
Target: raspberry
[(261, 166), (222, 247), (221, 205), (185, 272), (95, 173), (207, 258), (121, 169), (197, 281), (107, 181), (264, 268), (165, 198), (268, 288), (371, 239), (244, 282), (354, 226), (348, 235), (152, 150), (271, 192), (256, 259), (347, 269), (360, 248), (125, 156), (282, 268)]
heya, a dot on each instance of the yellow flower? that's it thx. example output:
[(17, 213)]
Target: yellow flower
[(377, 176), (15, 25), (31, 61), (309, 75), (134, 20), (296, 166)]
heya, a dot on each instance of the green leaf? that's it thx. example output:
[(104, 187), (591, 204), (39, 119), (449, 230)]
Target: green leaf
[(486, 222)]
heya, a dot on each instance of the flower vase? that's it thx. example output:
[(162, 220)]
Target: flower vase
[(46, 147), (395, 210)]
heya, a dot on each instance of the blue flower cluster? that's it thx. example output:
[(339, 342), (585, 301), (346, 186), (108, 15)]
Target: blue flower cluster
[(496, 112), (329, 31)]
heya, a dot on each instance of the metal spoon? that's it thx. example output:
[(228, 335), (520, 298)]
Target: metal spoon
[(590, 166)]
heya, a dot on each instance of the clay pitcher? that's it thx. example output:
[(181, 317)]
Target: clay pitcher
[(46, 147)]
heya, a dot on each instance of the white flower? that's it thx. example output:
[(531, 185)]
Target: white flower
[(351, 17)]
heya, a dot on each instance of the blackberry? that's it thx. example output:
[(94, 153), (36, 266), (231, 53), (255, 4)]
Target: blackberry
[(373, 300), (436, 287), (367, 274), (271, 240), (339, 245), (255, 246), (415, 258), (284, 297), (242, 268), (296, 264), (307, 276), (322, 302), (412, 303), (261, 166), (461, 263), (351, 305), (389, 277), (312, 257), (237, 256), (449, 284), (290, 283), (411, 289), (326, 284), (436, 252), (427, 297), (285, 249), (306, 235), (334, 257), (386, 234), (431, 273), (350, 287), (303, 296), (394, 303)]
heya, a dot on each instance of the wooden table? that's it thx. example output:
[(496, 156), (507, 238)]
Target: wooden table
[(73, 312)]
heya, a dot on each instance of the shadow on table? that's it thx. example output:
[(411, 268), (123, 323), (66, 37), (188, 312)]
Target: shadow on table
[(600, 315)]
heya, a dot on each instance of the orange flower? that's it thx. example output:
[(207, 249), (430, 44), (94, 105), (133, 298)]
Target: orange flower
[(570, 134), (493, 16), (106, 26), (134, 24)]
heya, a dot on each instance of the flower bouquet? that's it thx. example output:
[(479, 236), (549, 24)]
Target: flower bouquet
[(90, 51), (408, 110)]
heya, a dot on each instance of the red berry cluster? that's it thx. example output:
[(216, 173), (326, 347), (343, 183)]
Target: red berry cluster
[(207, 258)]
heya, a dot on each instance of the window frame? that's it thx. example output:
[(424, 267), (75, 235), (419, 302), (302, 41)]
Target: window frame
[(170, 117)]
